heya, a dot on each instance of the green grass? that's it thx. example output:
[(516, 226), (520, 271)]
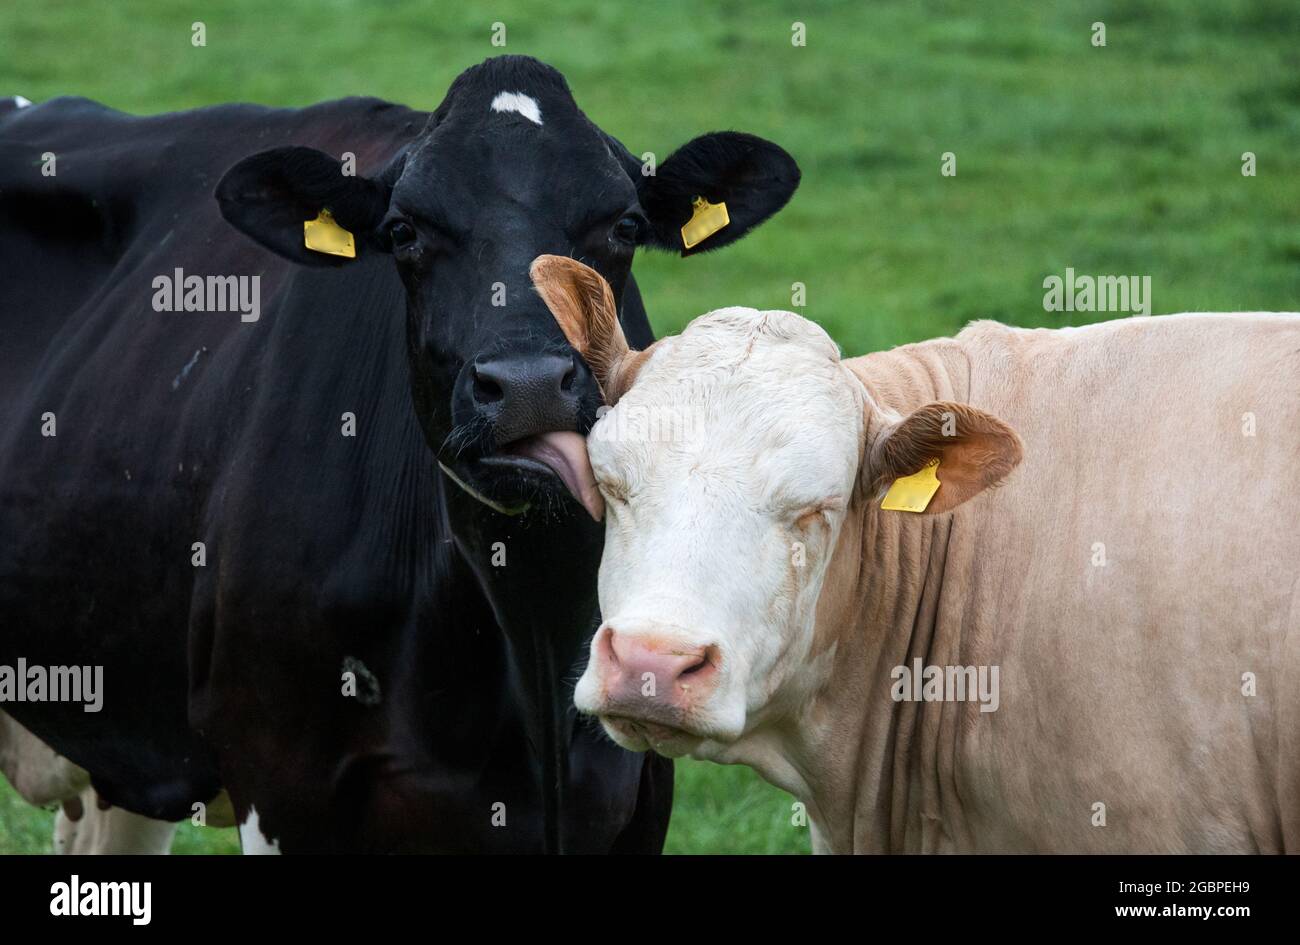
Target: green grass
[(27, 829), (1122, 160)]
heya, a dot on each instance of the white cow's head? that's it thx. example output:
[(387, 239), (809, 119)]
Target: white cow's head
[(727, 465)]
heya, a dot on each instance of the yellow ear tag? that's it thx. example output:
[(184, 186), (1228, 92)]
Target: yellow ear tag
[(707, 219), (913, 493), (325, 236)]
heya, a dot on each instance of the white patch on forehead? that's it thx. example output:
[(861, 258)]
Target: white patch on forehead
[(518, 102), (22, 102)]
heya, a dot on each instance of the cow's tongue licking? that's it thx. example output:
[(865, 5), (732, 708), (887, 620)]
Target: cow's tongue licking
[(566, 453)]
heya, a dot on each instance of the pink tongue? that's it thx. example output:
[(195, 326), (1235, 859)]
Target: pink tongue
[(566, 453)]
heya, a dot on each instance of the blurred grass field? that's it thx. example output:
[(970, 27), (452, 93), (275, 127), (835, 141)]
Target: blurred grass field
[(1119, 160)]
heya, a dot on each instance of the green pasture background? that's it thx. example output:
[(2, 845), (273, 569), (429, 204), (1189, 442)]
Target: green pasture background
[(1119, 160)]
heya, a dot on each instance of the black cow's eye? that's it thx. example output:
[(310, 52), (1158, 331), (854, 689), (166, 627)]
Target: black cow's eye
[(401, 235), (627, 229)]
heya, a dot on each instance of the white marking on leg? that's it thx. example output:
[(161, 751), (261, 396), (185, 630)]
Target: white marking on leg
[(252, 840), (109, 830), (525, 105)]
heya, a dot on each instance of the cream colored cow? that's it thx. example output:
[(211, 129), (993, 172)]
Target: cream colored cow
[(1087, 640)]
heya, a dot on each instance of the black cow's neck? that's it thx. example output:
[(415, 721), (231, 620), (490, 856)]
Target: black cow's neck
[(544, 600)]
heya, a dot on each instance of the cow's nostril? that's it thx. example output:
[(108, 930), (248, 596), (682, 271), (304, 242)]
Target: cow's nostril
[(487, 389), (695, 667), (566, 382), (707, 660), (605, 648)]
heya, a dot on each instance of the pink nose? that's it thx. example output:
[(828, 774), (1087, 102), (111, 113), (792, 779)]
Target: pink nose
[(640, 668)]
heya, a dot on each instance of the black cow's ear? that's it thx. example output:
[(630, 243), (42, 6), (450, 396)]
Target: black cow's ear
[(271, 194), (753, 177)]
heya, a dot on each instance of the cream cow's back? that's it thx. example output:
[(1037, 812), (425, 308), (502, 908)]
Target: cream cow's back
[(1135, 581)]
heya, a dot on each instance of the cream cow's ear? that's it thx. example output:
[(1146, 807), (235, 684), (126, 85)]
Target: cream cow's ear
[(582, 303), (975, 450)]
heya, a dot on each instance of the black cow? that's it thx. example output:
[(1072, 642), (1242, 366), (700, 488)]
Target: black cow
[(371, 560)]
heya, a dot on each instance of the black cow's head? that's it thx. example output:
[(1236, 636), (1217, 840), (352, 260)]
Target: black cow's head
[(507, 168)]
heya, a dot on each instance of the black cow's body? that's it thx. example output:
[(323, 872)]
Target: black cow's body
[(324, 553)]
